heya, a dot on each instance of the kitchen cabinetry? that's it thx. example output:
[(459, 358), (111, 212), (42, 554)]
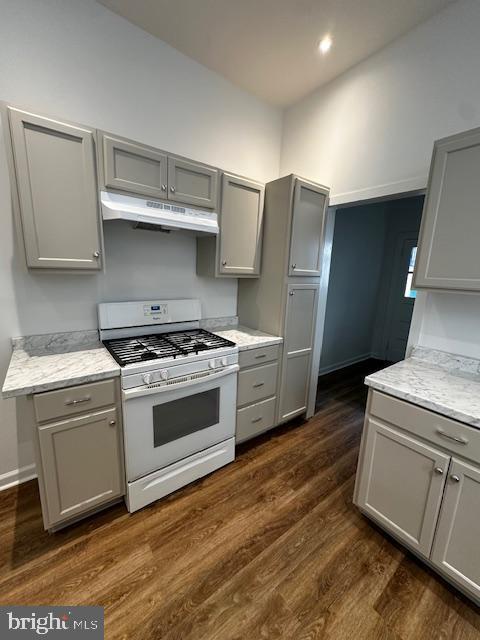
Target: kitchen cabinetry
[(448, 255), (54, 189), (236, 251), (146, 171), (80, 451), (301, 313), (412, 480), (455, 550), (257, 388), (284, 299)]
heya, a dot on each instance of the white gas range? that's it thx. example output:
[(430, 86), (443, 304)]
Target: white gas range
[(179, 386)]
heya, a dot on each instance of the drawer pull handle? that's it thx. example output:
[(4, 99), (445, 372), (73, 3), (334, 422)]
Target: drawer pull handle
[(257, 419), (79, 401), (260, 355), (258, 384), (456, 439), (455, 478), (439, 471)]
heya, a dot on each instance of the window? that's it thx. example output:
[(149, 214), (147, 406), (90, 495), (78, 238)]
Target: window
[(409, 292)]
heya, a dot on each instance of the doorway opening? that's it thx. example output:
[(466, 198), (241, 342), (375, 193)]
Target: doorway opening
[(370, 299)]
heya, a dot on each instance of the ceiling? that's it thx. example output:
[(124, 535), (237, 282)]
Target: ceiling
[(270, 47)]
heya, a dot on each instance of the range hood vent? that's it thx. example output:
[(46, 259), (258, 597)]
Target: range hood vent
[(149, 214)]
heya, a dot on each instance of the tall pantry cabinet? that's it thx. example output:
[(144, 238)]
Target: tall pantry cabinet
[(284, 299)]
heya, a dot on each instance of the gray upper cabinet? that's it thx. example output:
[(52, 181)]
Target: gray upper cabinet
[(146, 171), (448, 256), (309, 204), (192, 183), (240, 226), (55, 190), (236, 251), (133, 167)]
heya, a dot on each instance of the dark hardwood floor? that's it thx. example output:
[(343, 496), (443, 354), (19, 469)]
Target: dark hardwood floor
[(268, 547)]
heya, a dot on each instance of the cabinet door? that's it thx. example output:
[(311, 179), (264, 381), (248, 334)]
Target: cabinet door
[(401, 484), (455, 550), (54, 167), (192, 183), (309, 203), (448, 256), (302, 302), (134, 167), (240, 226), (82, 463)]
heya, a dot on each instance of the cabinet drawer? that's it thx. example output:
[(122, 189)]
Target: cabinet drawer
[(253, 357), (256, 384), (449, 434), (74, 400), (254, 419)]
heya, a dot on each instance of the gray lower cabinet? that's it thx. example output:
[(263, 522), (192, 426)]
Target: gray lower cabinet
[(257, 388), (455, 550), (301, 313), (131, 166), (79, 452), (448, 255), (400, 486), (55, 191), (236, 251), (412, 480)]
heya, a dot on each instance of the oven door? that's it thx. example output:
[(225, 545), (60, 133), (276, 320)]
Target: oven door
[(166, 424)]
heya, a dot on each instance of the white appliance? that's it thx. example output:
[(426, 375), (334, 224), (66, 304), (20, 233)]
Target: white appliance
[(148, 213), (179, 387)]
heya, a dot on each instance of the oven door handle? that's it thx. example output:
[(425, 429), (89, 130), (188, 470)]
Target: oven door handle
[(147, 391)]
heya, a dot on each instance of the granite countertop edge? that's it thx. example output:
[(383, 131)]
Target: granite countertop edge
[(442, 409), (246, 338)]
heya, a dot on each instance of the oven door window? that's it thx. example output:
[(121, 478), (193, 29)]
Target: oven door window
[(179, 418)]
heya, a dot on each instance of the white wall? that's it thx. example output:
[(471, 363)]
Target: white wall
[(374, 126), (355, 275), (76, 59), (370, 132)]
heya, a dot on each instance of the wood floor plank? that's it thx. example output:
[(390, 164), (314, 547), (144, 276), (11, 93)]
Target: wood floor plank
[(270, 546)]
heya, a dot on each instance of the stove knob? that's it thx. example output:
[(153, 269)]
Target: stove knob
[(164, 374), (211, 364), (147, 378), (224, 362)]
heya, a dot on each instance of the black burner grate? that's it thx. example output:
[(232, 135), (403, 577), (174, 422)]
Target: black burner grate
[(165, 345)]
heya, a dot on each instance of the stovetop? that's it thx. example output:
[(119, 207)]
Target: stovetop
[(164, 345)]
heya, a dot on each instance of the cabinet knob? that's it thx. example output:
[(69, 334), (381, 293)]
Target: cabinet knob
[(294, 265), (291, 293), (172, 189), (96, 254), (164, 187), (438, 470), (112, 423), (455, 478), (224, 263)]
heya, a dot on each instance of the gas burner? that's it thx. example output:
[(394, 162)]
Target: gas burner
[(165, 345)]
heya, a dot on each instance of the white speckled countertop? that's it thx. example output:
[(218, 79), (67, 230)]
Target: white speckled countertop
[(446, 383), (246, 338), (45, 362)]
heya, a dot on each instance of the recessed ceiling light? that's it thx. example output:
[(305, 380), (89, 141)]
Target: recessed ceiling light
[(325, 44)]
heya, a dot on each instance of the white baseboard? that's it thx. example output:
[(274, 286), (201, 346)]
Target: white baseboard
[(17, 476), (345, 363)]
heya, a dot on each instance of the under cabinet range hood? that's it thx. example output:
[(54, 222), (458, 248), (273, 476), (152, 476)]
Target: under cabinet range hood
[(156, 215)]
